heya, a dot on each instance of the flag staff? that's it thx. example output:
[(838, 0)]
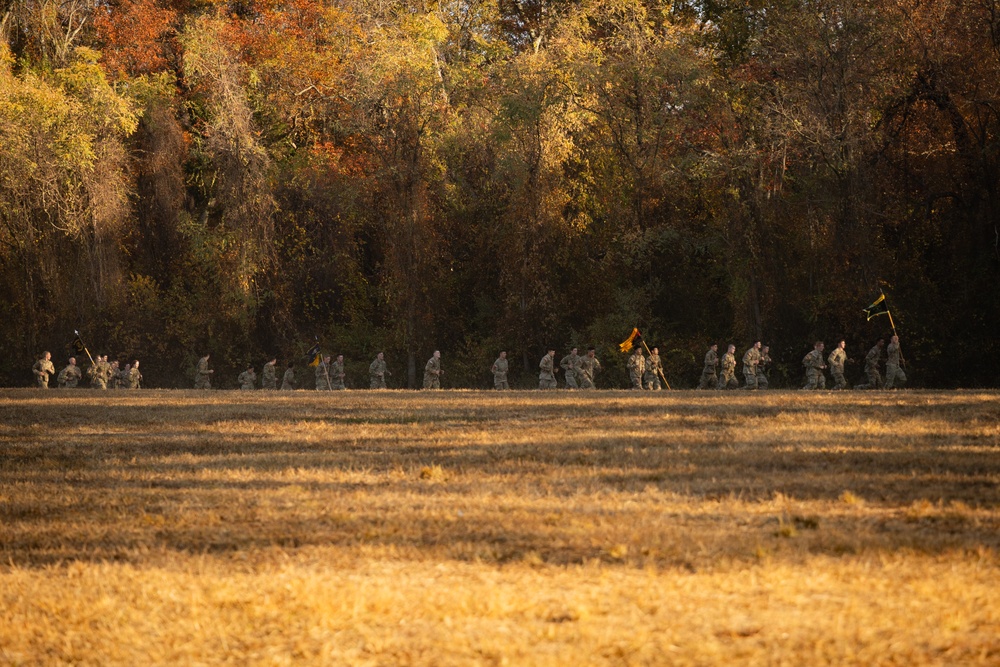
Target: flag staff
[(660, 370)]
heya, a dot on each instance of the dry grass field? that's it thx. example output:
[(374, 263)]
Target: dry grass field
[(471, 528)]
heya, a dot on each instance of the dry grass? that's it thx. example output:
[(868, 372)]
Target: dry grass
[(475, 528)]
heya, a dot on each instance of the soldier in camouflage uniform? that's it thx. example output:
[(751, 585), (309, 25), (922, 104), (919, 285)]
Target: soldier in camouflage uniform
[(894, 375), (248, 379), (654, 369), (727, 379), (815, 379), (288, 380), (433, 372), (836, 361), (134, 378), (709, 380), (203, 376), (589, 366), (762, 366), (547, 371), (636, 368), (751, 359), (70, 376), (102, 373), (569, 365), (500, 372), (337, 373), (323, 381), (115, 375), (42, 369), (872, 360), (377, 371), (269, 378)]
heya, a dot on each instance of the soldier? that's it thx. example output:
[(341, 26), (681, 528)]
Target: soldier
[(636, 368), (42, 369), (500, 372), (762, 366), (872, 360), (894, 375), (288, 380), (337, 373), (203, 376), (836, 361), (248, 379), (69, 376), (708, 377), (102, 372), (377, 371), (751, 359), (323, 382), (114, 379), (134, 379), (433, 372), (269, 379), (547, 372), (654, 369), (589, 366), (815, 379), (569, 365), (727, 379)]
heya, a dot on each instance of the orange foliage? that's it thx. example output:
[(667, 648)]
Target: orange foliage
[(135, 36)]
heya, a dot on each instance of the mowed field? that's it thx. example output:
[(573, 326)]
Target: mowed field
[(474, 528)]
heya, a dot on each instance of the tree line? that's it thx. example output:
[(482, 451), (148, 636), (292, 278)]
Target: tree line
[(241, 177)]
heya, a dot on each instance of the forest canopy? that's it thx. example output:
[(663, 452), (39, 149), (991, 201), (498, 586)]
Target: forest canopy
[(243, 177)]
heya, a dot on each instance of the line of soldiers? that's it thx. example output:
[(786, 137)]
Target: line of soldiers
[(101, 374), (578, 370), (757, 359)]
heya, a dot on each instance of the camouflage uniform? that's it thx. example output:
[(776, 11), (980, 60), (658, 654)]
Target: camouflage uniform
[(836, 361), (569, 365), (727, 379), (269, 379), (42, 369), (102, 373), (288, 379), (653, 371), (815, 379), (588, 367), (762, 366), (872, 360), (751, 359), (708, 377), (500, 374), (636, 368), (547, 377), (323, 380), (894, 375), (376, 373), (134, 378), (432, 373), (337, 374), (203, 376), (247, 380), (69, 376)]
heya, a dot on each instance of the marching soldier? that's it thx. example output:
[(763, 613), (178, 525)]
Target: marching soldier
[(872, 360), (636, 368), (762, 366), (569, 365), (433, 372), (500, 372), (42, 369), (547, 371), (709, 380), (323, 382), (70, 376), (813, 361), (894, 375), (248, 379), (751, 359), (836, 361), (269, 379), (203, 376), (134, 378), (337, 373), (288, 380), (654, 369), (727, 379), (589, 366), (377, 371)]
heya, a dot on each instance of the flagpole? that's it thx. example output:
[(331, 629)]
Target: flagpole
[(661, 371)]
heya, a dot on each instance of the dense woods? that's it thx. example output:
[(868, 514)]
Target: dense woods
[(182, 177)]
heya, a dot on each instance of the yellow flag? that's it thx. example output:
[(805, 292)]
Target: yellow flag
[(626, 345)]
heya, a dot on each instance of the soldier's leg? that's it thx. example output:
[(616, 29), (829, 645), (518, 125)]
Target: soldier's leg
[(751, 379), (839, 381), (890, 376), (571, 382), (811, 379), (821, 380), (761, 381)]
